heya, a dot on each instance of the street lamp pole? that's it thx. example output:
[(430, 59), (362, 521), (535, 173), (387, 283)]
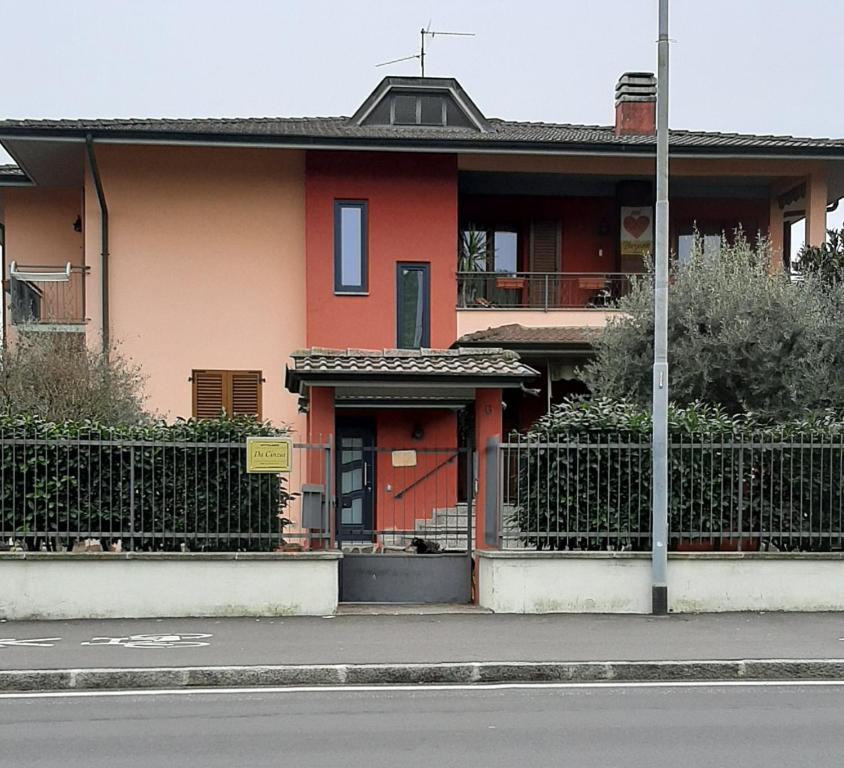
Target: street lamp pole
[(659, 554)]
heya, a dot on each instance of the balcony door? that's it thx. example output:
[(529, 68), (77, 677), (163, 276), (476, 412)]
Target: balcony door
[(545, 264)]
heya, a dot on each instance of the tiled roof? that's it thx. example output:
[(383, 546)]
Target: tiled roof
[(316, 130), (520, 335), (472, 363)]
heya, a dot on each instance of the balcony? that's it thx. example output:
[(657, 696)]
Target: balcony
[(544, 291), (47, 298)]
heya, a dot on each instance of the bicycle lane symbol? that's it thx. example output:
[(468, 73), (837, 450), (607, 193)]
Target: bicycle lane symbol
[(190, 640), (34, 642)]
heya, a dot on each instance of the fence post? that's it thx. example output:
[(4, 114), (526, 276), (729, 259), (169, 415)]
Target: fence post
[(132, 497), (328, 507), (546, 291), (491, 500)]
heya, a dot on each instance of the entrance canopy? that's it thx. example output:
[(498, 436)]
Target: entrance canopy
[(406, 378)]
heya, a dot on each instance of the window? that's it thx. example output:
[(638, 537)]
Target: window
[(711, 232), (236, 393), (423, 109), (413, 306), (350, 240), (685, 244), (501, 247)]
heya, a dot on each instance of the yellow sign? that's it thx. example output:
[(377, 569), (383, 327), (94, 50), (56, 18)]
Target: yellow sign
[(269, 454)]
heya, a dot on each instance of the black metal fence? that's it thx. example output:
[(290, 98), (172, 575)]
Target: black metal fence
[(726, 492), (149, 495), (541, 290)]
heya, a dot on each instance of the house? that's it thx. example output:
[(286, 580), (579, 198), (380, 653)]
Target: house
[(389, 279)]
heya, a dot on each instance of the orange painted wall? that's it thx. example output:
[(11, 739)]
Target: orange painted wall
[(488, 424), (207, 265), (39, 226), (412, 217), (393, 432)]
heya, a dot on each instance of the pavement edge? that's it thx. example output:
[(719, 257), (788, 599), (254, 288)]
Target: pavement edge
[(257, 676)]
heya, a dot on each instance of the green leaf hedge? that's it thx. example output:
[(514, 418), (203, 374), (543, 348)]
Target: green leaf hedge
[(581, 479), (157, 487)]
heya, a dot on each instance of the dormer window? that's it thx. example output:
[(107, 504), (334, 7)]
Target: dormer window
[(422, 109), (417, 101)]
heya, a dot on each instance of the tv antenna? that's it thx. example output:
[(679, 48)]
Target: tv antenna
[(423, 33)]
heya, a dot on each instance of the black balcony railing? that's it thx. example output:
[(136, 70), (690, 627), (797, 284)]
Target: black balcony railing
[(541, 290), (47, 297)]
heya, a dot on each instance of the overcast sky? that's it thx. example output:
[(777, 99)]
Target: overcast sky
[(765, 66)]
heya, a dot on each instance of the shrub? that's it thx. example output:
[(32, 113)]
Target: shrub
[(57, 377), (583, 475), (159, 485), (825, 261)]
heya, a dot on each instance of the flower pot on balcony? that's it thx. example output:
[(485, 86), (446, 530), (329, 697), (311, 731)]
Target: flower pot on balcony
[(510, 283)]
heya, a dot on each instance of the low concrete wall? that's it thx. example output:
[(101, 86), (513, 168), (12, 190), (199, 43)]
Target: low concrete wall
[(148, 585), (564, 582), (756, 581), (608, 582)]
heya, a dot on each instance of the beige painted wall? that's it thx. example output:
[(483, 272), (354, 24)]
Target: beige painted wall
[(39, 227), (207, 265)]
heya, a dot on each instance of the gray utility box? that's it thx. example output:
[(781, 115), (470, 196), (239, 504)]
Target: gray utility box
[(314, 513)]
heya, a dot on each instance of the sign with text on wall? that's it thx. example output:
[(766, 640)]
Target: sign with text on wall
[(270, 455), (637, 230)]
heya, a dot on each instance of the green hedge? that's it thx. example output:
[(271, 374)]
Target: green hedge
[(155, 487), (581, 479)]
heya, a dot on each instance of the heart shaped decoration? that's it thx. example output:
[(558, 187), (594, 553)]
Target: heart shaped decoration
[(636, 225)]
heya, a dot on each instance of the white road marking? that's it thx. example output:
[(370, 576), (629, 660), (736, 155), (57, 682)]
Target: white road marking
[(35, 642), (422, 688), (192, 640)]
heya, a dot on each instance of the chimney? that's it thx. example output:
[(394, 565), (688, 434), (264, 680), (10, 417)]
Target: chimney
[(635, 104)]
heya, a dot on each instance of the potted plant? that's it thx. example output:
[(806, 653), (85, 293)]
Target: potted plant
[(471, 259)]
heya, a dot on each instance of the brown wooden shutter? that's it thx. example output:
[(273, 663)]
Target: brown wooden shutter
[(246, 393), (208, 394), (544, 257), (235, 393), (545, 246)]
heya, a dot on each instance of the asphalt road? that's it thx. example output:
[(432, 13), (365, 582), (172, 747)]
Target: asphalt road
[(651, 727), (427, 638)]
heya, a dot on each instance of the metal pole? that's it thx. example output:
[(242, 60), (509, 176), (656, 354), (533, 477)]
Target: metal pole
[(659, 555), (422, 51)]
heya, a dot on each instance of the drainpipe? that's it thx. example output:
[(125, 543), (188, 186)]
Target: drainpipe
[(98, 185)]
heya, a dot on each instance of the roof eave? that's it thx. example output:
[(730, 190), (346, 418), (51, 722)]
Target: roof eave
[(439, 145)]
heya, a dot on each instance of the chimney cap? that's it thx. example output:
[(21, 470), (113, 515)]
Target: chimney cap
[(635, 86)]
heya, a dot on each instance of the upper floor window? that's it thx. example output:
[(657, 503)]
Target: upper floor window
[(413, 306), (350, 246), (494, 249)]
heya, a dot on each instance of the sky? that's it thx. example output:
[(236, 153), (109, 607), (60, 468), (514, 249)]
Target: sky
[(760, 66)]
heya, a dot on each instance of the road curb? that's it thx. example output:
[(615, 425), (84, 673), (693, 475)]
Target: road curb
[(424, 673)]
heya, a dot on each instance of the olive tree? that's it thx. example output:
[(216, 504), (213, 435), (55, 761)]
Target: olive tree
[(739, 336)]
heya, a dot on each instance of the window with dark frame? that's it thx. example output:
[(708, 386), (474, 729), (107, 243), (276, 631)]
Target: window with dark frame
[(235, 393), (350, 246), (413, 306), (501, 245)]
